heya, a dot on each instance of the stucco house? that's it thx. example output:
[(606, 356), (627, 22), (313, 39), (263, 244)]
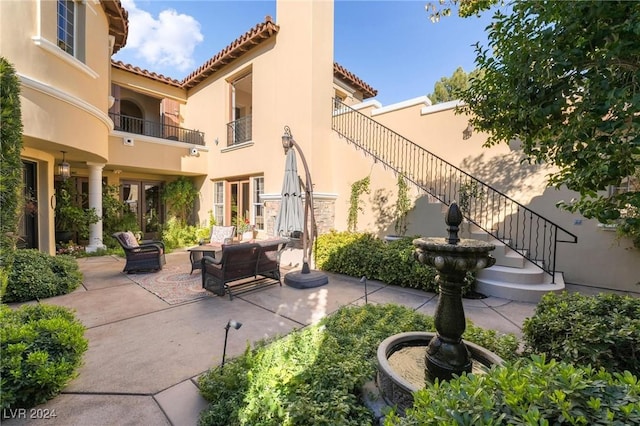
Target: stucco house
[(221, 126)]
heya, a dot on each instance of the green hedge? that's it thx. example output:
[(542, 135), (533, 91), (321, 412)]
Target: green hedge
[(37, 275), (11, 185), (363, 254), (528, 392), (603, 330), (314, 376), (41, 346)]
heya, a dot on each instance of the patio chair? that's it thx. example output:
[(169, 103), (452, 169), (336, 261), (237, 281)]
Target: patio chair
[(145, 255), (219, 235)]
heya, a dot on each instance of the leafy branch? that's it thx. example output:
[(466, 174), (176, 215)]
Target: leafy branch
[(357, 189)]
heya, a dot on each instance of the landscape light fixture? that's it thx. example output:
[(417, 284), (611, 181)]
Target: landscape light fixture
[(64, 169), (230, 324), (364, 281)]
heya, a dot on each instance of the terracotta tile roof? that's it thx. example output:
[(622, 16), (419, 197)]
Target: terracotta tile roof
[(239, 47), (118, 22), (137, 70), (348, 77)]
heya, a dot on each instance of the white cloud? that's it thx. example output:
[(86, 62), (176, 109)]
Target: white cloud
[(168, 41)]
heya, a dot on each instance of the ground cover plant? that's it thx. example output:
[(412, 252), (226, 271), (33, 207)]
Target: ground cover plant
[(314, 376), (37, 275), (41, 346), (602, 330), (528, 392)]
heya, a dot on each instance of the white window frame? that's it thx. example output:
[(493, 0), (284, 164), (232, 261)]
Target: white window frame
[(77, 49), (219, 186), (257, 190)]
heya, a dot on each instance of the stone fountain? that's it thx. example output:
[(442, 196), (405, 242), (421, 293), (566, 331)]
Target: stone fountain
[(444, 354)]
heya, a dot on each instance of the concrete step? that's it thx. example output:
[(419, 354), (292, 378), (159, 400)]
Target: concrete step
[(529, 274), (507, 257), (531, 293)]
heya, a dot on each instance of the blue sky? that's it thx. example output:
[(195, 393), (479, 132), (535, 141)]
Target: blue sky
[(391, 45)]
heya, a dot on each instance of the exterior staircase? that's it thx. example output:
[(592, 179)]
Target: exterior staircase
[(525, 242), (513, 277)]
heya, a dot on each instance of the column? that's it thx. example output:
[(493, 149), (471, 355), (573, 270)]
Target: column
[(95, 202)]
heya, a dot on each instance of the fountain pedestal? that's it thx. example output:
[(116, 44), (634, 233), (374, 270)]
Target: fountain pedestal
[(447, 354)]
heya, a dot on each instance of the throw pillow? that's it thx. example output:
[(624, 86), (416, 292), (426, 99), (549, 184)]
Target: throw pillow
[(130, 239)]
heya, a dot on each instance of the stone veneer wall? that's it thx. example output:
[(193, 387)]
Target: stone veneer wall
[(323, 209)]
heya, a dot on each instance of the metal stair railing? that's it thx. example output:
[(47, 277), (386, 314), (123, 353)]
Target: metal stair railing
[(518, 227)]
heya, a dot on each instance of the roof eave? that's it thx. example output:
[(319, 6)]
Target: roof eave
[(118, 19), (243, 44)]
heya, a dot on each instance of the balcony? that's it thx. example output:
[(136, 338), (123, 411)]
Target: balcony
[(239, 131), (139, 126)]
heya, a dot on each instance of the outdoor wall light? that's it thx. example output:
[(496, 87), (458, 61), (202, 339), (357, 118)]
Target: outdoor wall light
[(64, 169), (230, 324), (287, 139)]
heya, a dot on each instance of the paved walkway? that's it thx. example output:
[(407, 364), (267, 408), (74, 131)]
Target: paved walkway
[(145, 355)]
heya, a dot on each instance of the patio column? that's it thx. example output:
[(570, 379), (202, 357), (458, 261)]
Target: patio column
[(95, 201)]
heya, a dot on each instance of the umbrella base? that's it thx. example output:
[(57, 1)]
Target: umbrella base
[(298, 279)]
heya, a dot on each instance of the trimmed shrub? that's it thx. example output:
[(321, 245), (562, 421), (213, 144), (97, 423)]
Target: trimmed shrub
[(37, 275), (349, 253), (603, 330), (41, 346), (177, 234), (358, 254), (315, 375), (399, 267), (528, 392)]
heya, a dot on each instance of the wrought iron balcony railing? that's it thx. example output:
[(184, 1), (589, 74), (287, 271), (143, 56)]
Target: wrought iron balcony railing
[(239, 131), (517, 226), (139, 126)]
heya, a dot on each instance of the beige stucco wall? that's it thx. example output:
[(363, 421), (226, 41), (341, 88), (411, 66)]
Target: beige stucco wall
[(64, 101), (292, 84), (153, 155), (598, 259)]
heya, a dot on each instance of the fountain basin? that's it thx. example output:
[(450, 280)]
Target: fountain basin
[(396, 389)]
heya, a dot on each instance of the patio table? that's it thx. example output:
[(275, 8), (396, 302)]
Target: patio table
[(197, 252)]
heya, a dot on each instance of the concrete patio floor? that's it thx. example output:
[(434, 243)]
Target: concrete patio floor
[(145, 355)]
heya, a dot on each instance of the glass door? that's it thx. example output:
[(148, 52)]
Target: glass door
[(239, 198), (28, 225), (144, 201)]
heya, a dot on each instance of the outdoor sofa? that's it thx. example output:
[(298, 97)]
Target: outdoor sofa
[(243, 265)]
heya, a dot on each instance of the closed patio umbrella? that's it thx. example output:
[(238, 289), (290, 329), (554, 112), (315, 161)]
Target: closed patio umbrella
[(291, 216)]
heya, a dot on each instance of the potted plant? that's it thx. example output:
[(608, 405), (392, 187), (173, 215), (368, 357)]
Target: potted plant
[(72, 220), (244, 229)]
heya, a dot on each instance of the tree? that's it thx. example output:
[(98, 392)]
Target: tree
[(466, 8), (11, 186), (450, 88), (180, 196), (564, 79)]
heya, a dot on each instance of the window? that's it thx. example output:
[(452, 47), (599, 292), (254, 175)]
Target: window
[(71, 31), (218, 202), (239, 129), (258, 208)]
